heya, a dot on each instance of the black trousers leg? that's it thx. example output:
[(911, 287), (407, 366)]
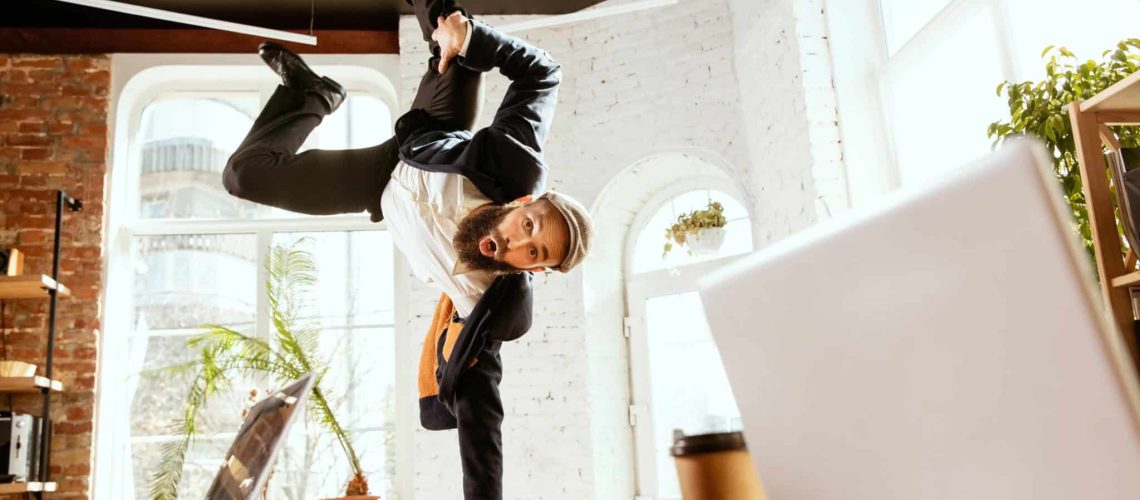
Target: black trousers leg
[(455, 97), (479, 413), (266, 168)]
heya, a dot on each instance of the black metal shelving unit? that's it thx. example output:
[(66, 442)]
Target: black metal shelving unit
[(26, 287)]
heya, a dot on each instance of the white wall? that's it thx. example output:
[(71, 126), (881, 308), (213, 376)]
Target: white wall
[(722, 78)]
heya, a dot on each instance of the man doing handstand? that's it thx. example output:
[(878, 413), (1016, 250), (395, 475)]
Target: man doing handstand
[(467, 209)]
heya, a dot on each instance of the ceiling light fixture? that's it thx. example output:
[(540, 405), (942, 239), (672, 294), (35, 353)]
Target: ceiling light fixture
[(584, 15), (205, 22)]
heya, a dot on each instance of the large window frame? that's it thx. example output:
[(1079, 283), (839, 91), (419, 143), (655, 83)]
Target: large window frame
[(864, 65), (147, 81)]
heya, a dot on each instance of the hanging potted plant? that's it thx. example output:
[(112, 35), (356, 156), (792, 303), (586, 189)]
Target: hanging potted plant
[(226, 355), (701, 232)]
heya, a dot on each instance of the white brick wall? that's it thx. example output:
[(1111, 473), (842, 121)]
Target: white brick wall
[(828, 170), (689, 76), (772, 102)]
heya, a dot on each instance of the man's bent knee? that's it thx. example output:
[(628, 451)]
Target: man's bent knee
[(235, 178)]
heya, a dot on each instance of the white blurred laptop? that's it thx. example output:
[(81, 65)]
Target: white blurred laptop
[(946, 345)]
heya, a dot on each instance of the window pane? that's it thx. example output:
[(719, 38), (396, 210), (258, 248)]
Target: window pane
[(362, 382), (360, 122), (352, 304), (184, 144), (651, 241), (363, 361), (903, 18), (202, 462), (160, 398), (185, 141), (183, 282), (690, 389), (355, 282), (1086, 30), (370, 121), (189, 280), (939, 106)]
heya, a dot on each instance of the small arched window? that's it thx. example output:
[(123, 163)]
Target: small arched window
[(679, 382), (649, 247)]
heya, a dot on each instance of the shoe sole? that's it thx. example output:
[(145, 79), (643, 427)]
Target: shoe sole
[(338, 88), (283, 49), (335, 86)]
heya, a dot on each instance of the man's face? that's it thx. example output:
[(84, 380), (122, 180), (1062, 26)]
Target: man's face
[(515, 237)]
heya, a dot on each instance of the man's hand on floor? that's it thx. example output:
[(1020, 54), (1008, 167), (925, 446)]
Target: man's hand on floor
[(449, 34)]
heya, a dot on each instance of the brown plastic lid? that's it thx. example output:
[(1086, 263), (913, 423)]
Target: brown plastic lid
[(707, 443)]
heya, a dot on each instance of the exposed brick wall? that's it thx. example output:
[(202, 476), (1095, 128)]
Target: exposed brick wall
[(53, 135)]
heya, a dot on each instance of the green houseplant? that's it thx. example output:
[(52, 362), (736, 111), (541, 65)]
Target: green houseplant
[(1039, 109), (693, 226), (225, 355)]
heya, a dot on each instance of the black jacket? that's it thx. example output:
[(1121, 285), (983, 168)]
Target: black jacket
[(503, 160)]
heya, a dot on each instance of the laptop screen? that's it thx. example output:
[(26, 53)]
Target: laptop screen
[(244, 471)]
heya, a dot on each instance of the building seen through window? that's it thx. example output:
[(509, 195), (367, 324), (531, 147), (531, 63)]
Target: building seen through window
[(196, 258)]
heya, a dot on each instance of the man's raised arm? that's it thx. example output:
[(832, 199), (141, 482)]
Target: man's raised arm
[(528, 106)]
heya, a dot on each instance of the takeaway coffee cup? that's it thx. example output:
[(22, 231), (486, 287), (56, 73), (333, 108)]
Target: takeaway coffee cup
[(715, 467)]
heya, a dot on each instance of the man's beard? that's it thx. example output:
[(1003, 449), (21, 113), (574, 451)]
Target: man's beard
[(474, 228)]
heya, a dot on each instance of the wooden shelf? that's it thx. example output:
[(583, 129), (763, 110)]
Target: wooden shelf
[(32, 286), (1121, 96), (31, 487), (10, 385), (1130, 279)]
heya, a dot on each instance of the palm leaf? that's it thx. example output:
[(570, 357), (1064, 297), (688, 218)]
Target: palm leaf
[(225, 354), (166, 477)]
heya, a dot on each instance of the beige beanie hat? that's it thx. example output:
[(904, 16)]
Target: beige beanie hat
[(580, 224)]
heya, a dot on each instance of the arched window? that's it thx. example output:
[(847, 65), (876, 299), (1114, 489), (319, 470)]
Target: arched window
[(648, 248), (679, 381), (183, 253)]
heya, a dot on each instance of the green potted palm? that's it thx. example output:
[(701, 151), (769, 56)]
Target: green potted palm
[(700, 231), (225, 355)]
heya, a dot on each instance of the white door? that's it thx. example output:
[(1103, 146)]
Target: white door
[(679, 381)]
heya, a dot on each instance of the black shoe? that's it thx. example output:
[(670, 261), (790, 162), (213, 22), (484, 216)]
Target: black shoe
[(296, 75)]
